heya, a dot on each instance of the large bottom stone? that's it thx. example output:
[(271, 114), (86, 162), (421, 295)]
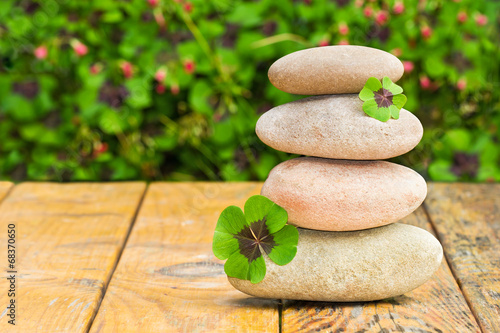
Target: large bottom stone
[(352, 266)]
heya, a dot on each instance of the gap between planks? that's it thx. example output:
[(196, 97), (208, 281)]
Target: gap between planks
[(436, 234), (9, 187), (466, 217), (129, 231), (63, 221)]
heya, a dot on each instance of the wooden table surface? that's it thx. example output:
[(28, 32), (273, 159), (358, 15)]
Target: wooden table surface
[(127, 257)]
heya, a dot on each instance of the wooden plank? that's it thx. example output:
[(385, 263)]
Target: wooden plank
[(68, 240), (168, 279), (467, 220), (4, 189), (437, 306)]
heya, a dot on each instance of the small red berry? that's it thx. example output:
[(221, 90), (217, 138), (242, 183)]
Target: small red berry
[(408, 66), (425, 82), (462, 17), (153, 3), (188, 7), (368, 12), (398, 8), (127, 69), (174, 89), (95, 69), (481, 19), (160, 88), (160, 75), (461, 84), (397, 52), (343, 29), (359, 3), (323, 42), (426, 32), (382, 17), (99, 148), (343, 42), (79, 48), (189, 66), (159, 18), (41, 52)]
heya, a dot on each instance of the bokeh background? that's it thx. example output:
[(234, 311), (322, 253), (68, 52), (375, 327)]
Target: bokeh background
[(171, 89)]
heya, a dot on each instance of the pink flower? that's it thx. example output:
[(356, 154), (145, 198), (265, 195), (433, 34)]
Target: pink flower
[(398, 8), (153, 3), (95, 69), (160, 88), (41, 52), (80, 48), (127, 69), (359, 3), (425, 83), (481, 19), (408, 66), (462, 17), (160, 75), (174, 89), (397, 52), (426, 32), (343, 29), (343, 42), (461, 84), (99, 148), (368, 11), (159, 18), (381, 17), (189, 66), (188, 7), (323, 42)]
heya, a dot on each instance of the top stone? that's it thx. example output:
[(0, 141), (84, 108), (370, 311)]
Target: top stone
[(338, 69)]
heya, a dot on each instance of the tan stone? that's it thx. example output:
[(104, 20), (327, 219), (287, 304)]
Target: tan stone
[(351, 266), (341, 195), (335, 126), (336, 69)]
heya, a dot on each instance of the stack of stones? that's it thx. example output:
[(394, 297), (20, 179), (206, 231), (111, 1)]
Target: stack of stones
[(343, 198)]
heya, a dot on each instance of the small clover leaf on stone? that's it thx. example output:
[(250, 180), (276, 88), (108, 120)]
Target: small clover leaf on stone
[(382, 100), (241, 237)]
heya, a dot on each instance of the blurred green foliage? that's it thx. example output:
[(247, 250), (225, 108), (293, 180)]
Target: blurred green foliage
[(170, 89)]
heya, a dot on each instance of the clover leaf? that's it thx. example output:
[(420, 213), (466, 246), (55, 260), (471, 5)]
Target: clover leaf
[(382, 100), (241, 238)]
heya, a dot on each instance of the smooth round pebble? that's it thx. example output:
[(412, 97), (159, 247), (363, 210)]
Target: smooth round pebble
[(338, 69), (335, 126), (352, 266), (343, 195)]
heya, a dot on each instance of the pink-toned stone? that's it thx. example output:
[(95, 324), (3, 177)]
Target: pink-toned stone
[(354, 266), (337, 127), (337, 69), (342, 195)]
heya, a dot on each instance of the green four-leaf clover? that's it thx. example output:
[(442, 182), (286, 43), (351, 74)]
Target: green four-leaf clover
[(382, 100), (241, 238)]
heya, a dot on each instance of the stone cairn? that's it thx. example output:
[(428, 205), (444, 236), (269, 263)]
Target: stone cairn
[(343, 198)]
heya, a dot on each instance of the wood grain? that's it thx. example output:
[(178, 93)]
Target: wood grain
[(4, 189), (437, 306), (467, 220), (69, 237), (168, 279)]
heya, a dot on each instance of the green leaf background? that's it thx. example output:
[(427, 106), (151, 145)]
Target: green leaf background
[(54, 113)]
